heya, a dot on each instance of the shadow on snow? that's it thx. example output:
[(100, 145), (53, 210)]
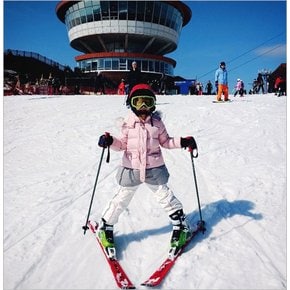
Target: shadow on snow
[(212, 214)]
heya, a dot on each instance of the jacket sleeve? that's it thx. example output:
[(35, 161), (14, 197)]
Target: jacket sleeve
[(216, 76), (165, 140), (120, 144)]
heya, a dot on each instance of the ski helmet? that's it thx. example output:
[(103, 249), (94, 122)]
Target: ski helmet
[(222, 64), (142, 99)]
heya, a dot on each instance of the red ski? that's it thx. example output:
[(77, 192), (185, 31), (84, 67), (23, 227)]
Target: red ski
[(118, 272), (157, 277)]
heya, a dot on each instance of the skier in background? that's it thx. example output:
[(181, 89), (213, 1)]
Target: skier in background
[(121, 87), (260, 84), (208, 88), (239, 88), (142, 134), (221, 81), (279, 86)]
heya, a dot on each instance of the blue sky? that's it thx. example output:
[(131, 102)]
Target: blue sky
[(247, 35)]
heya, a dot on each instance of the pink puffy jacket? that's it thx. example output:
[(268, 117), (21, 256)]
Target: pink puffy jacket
[(141, 142)]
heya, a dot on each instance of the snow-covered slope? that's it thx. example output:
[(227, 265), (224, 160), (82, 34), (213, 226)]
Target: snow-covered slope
[(50, 162)]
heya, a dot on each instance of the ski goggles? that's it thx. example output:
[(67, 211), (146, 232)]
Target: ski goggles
[(138, 102)]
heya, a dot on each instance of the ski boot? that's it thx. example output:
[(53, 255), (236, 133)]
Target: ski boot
[(180, 235), (106, 237)]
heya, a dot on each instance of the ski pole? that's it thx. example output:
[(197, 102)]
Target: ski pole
[(85, 227), (194, 154)]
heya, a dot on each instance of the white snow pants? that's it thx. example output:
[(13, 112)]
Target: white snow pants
[(121, 200)]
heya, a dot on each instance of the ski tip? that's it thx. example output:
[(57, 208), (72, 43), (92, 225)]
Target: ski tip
[(127, 286), (147, 285)]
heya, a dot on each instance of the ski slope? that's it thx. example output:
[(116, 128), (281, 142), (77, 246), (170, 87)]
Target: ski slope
[(51, 158)]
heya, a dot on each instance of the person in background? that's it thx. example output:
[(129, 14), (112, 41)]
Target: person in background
[(134, 76), (199, 88), (208, 88), (221, 81), (260, 84), (279, 86), (121, 87), (163, 84), (239, 88), (100, 84), (49, 85)]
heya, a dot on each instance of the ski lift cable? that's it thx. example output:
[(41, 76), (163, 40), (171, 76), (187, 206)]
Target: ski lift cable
[(232, 60), (262, 54), (255, 47)]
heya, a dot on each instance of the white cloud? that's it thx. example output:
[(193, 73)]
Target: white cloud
[(273, 51)]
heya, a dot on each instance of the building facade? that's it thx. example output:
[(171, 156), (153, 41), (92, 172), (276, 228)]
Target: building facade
[(113, 34)]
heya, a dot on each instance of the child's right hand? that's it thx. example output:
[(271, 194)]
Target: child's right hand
[(105, 140)]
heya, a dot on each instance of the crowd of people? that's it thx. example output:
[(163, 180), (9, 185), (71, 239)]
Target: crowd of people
[(43, 86), (53, 86)]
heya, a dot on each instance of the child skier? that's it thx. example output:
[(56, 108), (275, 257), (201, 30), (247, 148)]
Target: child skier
[(239, 88), (142, 134)]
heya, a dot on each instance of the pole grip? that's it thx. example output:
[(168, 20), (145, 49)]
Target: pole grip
[(193, 149)]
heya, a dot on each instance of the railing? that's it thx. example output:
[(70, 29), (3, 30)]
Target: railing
[(36, 56)]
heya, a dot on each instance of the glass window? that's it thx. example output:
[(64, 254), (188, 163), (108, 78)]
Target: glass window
[(97, 12), (89, 12), (149, 11), (179, 24), (140, 10), (113, 9), (156, 14), (173, 20), (77, 18), (100, 64), (123, 63), (105, 10), (88, 66), (115, 64), (72, 23), (80, 65), (151, 65), (161, 66), (169, 16), (163, 14), (123, 8), (108, 64), (157, 66), (144, 65), (83, 16), (94, 65), (131, 10), (80, 5)]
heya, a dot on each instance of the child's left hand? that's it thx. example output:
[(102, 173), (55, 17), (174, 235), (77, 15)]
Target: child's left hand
[(188, 142)]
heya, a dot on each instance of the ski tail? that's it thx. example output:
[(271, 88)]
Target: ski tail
[(159, 275), (120, 276)]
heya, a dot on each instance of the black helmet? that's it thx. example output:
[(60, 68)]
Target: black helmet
[(222, 64)]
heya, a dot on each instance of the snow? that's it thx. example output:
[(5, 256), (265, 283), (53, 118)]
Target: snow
[(51, 158)]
